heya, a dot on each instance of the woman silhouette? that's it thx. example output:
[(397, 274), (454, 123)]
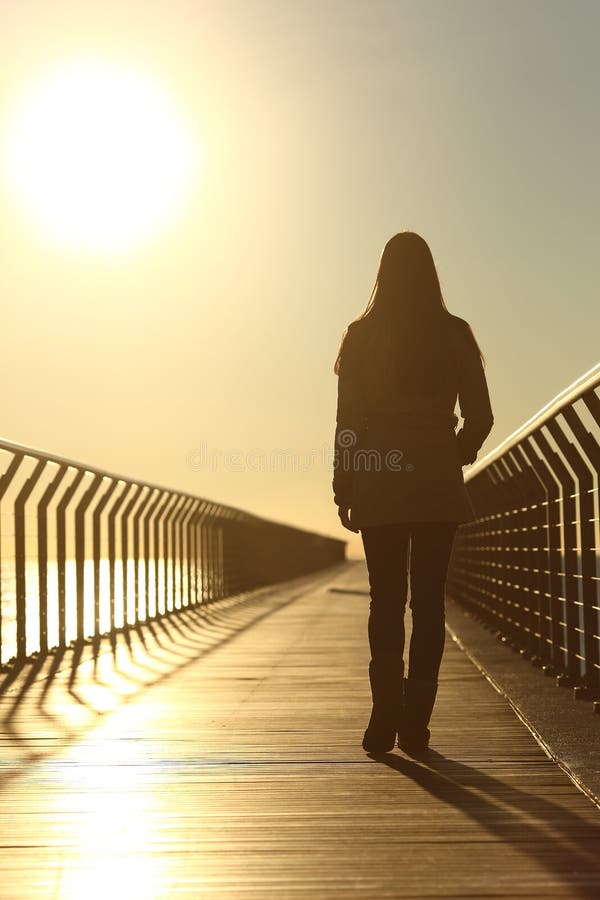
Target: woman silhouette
[(398, 474)]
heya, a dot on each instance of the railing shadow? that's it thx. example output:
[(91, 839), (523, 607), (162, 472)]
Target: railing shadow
[(101, 675)]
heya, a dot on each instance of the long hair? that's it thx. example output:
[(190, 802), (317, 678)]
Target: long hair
[(406, 324)]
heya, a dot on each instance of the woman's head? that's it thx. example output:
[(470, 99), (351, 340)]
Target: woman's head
[(407, 280), (406, 320)]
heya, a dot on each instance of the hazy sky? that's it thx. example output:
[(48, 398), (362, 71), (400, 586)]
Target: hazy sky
[(325, 128)]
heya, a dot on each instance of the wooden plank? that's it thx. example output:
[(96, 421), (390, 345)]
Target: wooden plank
[(225, 758)]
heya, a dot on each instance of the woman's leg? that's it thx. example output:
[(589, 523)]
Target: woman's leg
[(431, 548), (386, 552)]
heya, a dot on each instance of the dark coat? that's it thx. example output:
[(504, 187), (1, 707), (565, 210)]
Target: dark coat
[(403, 463)]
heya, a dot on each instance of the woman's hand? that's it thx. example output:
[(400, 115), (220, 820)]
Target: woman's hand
[(344, 514)]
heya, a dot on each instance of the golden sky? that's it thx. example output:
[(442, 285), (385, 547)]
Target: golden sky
[(320, 129)]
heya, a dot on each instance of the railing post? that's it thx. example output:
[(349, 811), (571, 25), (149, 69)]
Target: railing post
[(21, 558), (583, 547), (42, 522), (97, 549)]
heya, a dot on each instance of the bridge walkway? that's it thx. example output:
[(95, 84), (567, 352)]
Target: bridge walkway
[(219, 755)]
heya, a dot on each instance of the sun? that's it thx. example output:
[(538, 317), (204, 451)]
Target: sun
[(97, 156)]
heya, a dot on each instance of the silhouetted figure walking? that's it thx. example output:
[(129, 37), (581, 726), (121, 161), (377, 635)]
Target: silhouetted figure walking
[(398, 475)]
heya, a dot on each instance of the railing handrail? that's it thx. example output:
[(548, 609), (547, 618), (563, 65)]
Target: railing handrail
[(566, 397), (14, 447)]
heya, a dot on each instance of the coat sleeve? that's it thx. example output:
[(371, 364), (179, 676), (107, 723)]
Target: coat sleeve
[(349, 421), (474, 402)]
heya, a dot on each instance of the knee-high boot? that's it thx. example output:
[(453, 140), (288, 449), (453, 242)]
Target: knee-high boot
[(419, 700), (386, 673)]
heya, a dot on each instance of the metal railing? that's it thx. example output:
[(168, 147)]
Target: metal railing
[(527, 564), (84, 552)]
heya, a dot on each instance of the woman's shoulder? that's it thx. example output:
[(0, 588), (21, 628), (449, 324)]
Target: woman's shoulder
[(459, 326), (354, 331), (356, 326), (462, 333), (347, 352), (361, 328)]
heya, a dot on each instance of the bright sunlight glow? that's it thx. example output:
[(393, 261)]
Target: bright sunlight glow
[(97, 156)]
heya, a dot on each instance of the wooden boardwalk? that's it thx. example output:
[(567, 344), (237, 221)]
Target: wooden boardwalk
[(223, 759)]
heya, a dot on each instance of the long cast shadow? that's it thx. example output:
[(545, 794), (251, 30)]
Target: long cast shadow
[(474, 791)]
